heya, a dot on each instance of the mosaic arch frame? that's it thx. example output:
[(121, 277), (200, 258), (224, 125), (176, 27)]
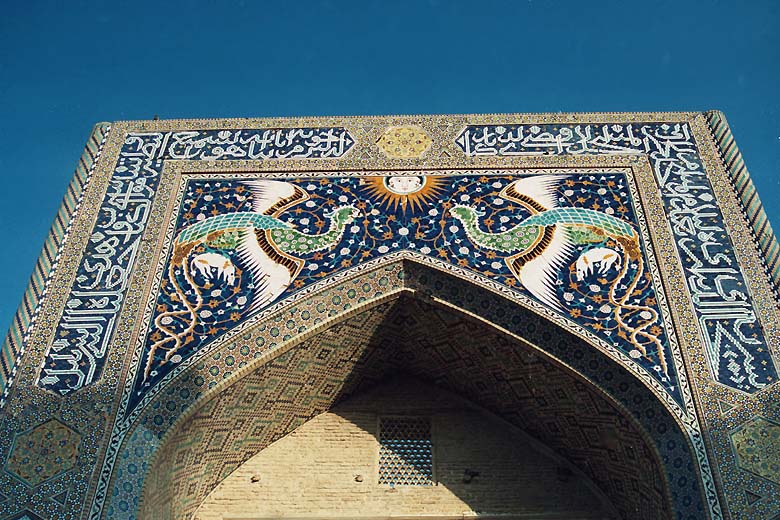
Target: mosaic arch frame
[(75, 343), (389, 281)]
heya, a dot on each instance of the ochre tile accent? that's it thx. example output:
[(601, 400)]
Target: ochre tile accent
[(44, 452), (757, 445), (404, 142)]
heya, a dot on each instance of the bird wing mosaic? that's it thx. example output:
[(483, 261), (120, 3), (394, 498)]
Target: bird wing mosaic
[(568, 241), (202, 273), (629, 247), (544, 243)]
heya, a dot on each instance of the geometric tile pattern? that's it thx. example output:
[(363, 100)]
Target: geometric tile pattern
[(533, 394), (405, 451), (262, 407), (75, 325), (26, 515), (757, 445), (404, 142), (435, 345), (13, 345), (737, 348), (195, 306), (499, 384), (754, 211), (76, 357), (44, 452)]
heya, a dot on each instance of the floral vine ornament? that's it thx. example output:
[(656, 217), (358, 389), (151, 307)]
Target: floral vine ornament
[(547, 241), (264, 243)]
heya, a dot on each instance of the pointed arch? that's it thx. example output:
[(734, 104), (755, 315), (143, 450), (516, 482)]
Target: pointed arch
[(189, 447)]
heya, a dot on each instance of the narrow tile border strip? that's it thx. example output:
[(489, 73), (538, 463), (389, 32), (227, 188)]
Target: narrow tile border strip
[(763, 234), (13, 347)]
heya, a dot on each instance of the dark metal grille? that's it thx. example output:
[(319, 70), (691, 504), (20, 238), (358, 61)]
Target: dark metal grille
[(406, 451)]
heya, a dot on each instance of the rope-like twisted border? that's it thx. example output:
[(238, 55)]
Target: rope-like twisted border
[(764, 237)]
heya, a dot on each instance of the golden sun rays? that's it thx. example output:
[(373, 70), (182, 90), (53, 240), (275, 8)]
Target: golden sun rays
[(413, 191)]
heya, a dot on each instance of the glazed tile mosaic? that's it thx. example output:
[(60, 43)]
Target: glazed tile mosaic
[(412, 337), (231, 255), (189, 255)]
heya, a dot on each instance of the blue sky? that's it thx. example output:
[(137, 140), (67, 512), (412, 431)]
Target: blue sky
[(67, 65)]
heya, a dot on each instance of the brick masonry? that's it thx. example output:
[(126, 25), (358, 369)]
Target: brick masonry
[(329, 467)]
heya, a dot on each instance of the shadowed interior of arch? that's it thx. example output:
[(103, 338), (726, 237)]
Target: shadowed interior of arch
[(440, 347), (447, 457)]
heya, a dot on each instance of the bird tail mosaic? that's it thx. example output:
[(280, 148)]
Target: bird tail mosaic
[(207, 249), (215, 275), (546, 242)]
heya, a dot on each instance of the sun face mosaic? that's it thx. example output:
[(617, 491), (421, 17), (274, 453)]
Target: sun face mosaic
[(187, 253), (569, 241)]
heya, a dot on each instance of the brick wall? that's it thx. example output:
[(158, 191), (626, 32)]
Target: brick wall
[(329, 467)]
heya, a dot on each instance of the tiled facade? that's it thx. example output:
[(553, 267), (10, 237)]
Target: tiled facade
[(199, 263)]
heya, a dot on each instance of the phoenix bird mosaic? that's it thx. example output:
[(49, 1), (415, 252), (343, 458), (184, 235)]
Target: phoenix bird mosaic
[(544, 243), (570, 242), (264, 243)]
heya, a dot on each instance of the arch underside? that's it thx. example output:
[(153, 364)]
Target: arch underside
[(406, 448), (588, 409)]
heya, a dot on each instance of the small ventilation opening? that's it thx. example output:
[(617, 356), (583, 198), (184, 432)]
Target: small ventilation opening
[(406, 451)]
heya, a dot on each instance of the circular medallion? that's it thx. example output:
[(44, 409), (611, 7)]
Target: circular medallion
[(404, 185)]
